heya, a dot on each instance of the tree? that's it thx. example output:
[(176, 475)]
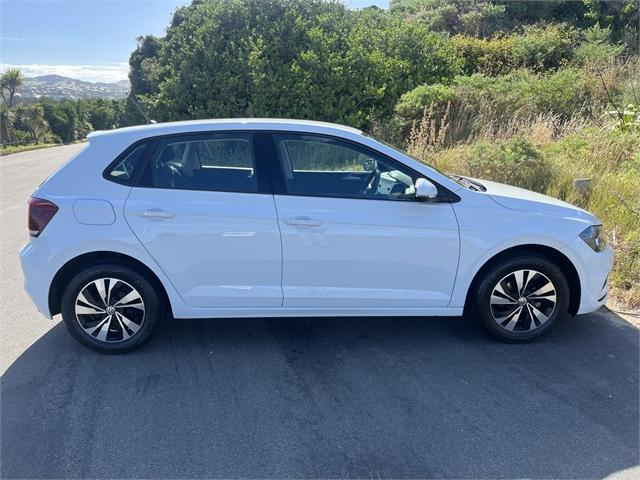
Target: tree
[(6, 124), (622, 17), (143, 73), (10, 80), (30, 118), (310, 59)]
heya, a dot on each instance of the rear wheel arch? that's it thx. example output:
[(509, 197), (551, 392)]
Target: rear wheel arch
[(75, 265), (550, 253)]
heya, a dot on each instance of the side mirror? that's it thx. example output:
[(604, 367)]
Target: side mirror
[(425, 190)]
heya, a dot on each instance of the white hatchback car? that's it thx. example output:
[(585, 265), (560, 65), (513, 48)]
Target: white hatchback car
[(270, 218)]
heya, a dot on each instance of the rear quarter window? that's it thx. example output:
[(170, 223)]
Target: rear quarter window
[(127, 165)]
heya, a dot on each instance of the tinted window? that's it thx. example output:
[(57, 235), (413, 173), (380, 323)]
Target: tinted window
[(314, 165), (220, 162), (124, 171)]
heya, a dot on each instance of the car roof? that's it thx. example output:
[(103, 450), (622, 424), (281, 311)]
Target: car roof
[(168, 128)]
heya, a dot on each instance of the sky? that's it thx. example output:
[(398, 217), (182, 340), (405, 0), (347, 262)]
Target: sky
[(85, 39)]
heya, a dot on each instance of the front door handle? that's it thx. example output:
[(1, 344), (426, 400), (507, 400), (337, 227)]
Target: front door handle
[(302, 222), (156, 214)]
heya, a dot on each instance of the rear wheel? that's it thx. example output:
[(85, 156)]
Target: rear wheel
[(521, 298), (111, 308)]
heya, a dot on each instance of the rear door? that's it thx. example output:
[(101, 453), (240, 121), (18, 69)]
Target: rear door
[(353, 234), (203, 209)]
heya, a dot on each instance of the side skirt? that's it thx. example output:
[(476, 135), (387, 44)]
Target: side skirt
[(320, 312)]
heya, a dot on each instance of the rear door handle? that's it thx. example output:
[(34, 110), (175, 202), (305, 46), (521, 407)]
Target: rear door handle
[(156, 213), (303, 222)]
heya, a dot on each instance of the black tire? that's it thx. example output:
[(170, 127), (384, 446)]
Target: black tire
[(490, 312), (120, 338)]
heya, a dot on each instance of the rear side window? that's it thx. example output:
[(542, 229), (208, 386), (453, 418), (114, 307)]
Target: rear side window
[(214, 162), (124, 170)]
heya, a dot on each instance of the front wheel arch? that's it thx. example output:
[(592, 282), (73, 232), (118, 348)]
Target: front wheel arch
[(73, 266), (551, 254)]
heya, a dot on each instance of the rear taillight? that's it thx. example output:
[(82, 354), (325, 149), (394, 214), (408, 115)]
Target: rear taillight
[(40, 214)]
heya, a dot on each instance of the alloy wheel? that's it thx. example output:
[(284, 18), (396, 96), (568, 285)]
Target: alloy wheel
[(523, 301), (110, 310)]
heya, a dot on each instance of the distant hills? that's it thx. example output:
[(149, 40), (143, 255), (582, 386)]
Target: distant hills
[(57, 86)]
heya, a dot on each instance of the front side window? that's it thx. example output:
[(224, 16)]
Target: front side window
[(214, 162), (322, 166)]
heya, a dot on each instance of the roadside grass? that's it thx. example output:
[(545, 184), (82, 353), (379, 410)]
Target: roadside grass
[(8, 150)]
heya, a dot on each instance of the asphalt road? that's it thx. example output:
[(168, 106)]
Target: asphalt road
[(382, 397)]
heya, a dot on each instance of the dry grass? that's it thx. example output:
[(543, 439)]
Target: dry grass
[(428, 137)]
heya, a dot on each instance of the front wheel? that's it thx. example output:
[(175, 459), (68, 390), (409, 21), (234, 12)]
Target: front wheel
[(111, 308), (521, 298)]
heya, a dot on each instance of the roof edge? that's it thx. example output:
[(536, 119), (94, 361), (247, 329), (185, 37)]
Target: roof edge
[(262, 122)]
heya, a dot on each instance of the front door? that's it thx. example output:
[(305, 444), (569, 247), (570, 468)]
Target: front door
[(353, 235)]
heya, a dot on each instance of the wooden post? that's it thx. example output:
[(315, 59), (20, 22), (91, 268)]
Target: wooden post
[(582, 187)]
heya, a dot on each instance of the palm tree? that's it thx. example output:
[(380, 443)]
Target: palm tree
[(6, 124), (31, 118), (10, 80)]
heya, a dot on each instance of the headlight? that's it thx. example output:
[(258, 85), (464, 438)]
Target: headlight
[(594, 237)]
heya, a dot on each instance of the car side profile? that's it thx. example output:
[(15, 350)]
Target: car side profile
[(271, 218)]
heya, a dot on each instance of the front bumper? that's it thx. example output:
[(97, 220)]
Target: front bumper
[(594, 269), (38, 267)]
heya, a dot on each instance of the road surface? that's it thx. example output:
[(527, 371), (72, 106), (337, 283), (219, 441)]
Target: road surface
[(374, 397)]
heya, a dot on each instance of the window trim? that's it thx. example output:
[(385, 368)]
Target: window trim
[(280, 185)]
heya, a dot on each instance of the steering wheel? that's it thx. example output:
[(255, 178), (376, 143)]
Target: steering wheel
[(371, 182)]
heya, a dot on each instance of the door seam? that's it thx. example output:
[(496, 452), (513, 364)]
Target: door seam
[(275, 207)]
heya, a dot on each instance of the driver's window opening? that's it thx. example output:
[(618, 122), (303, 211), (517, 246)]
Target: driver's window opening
[(327, 167)]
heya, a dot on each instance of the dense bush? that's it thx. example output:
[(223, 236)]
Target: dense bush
[(236, 58), (544, 47), (30, 119), (490, 56), (413, 104), (480, 103), (597, 47), (537, 47), (59, 121), (515, 161), (480, 17)]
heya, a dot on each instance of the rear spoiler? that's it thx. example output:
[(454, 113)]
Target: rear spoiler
[(95, 134)]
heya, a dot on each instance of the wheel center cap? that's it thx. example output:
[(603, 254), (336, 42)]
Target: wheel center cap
[(522, 301), (111, 310)]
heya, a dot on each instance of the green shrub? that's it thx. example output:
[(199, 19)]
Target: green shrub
[(22, 137), (491, 56), (515, 161), (482, 104), (543, 47), (417, 102), (597, 47)]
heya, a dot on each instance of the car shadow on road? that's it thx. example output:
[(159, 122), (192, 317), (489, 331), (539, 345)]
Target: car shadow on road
[(363, 397)]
